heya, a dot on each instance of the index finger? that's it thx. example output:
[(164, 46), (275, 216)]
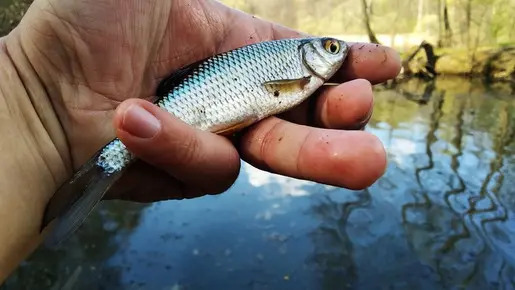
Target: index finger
[(374, 62)]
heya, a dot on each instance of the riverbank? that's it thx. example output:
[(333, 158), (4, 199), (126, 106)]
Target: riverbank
[(493, 64), (420, 91)]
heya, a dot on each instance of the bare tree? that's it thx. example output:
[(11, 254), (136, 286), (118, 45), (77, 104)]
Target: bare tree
[(366, 22), (447, 25)]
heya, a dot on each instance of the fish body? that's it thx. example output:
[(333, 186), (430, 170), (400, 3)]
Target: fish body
[(222, 94)]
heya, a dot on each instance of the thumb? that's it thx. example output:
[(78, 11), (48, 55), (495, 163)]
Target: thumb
[(200, 159)]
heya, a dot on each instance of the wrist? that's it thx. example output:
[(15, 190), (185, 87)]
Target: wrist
[(34, 82), (32, 167)]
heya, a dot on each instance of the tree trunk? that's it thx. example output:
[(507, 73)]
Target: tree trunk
[(447, 25), (428, 71), (440, 30), (366, 22), (468, 19), (420, 14)]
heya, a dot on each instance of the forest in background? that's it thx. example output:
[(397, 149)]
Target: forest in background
[(458, 37), (452, 37), (449, 23), (11, 12)]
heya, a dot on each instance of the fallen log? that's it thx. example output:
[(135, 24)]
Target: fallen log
[(491, 64), (425, 68)]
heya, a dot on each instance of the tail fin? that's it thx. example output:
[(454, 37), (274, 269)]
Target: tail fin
[(75, 199)]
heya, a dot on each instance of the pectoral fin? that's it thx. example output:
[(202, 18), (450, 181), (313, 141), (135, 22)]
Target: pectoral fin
[(280, 87), (235, 127)]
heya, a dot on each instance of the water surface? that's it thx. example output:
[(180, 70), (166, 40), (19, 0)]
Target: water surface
[(440, 218)]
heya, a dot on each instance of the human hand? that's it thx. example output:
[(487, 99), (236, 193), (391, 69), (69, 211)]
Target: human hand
[(101, 60), (72, 67)]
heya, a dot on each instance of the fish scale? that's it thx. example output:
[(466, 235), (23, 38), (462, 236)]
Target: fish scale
[(222, 94)]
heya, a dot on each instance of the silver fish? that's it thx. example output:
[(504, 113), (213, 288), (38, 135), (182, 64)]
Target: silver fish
[(222, 94)]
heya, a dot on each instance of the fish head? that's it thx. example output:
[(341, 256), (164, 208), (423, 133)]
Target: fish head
[(324, 56)]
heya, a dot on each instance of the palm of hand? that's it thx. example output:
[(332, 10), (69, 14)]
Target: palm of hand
[(116, 50), (104, 52)]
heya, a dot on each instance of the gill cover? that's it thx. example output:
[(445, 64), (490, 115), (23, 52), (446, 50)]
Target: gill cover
[(323, 56)]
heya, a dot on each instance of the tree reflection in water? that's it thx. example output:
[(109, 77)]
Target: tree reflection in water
[(83, 261), (441, 217), (447, 187)]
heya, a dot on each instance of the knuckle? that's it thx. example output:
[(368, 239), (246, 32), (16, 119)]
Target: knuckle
[(177, 151), (188, 151), (269, 140), (302, 167)]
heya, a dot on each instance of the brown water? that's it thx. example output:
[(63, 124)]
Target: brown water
[(440, 218)]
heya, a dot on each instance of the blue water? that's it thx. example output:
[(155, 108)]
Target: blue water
[(440, 218)]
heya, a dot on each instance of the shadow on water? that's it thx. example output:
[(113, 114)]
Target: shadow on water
[(87, 258), (440, 218)]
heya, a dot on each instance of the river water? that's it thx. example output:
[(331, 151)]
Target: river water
[(440, 218)]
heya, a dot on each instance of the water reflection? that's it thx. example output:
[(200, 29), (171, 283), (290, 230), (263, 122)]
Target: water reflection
[(440, 218), (85, 262)]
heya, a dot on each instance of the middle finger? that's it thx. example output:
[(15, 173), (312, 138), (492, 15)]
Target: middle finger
[(350, 159)]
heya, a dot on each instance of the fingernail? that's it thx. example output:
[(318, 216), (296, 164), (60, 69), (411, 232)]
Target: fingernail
[(140, 123), (367, 117)]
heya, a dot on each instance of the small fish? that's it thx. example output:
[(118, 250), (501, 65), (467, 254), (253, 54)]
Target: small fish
[(221, 94)]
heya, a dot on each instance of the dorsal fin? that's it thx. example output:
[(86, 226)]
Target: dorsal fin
[(175, 78)]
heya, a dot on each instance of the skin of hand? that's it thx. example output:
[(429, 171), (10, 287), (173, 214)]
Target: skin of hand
[(75, 74)]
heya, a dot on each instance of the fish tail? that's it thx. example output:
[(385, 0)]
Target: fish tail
[(76, 199)]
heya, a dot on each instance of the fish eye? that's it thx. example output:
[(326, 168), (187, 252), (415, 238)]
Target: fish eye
[(332, 46)]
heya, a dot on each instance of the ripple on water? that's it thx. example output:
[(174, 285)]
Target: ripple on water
[(440, 218)]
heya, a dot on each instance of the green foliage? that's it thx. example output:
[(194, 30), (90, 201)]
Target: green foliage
[(11, 13), (474, 23)]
